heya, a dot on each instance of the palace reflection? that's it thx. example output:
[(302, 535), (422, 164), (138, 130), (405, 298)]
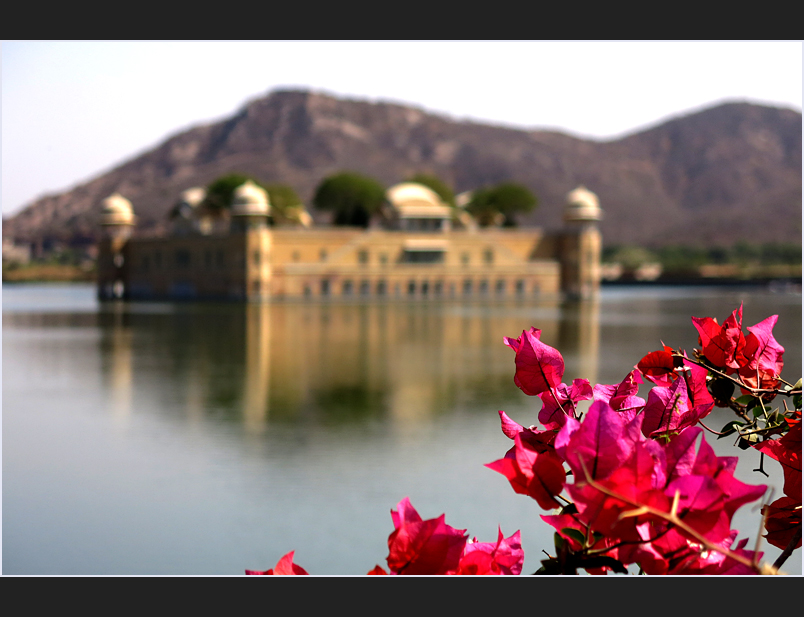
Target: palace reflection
[(333, 363)]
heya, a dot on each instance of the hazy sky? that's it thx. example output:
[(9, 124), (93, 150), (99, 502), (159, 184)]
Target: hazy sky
[(72, 110)]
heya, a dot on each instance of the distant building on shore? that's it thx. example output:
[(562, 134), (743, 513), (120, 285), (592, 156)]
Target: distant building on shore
[(423, 249)]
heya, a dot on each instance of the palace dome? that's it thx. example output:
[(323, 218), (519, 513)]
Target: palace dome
[(193, 196), (116, 210), (582, 205), (250, 200), (414, 199)]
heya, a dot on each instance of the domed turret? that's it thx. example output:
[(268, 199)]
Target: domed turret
[(413, 194), (250, 200), (415, 207), (582, 205), (581, 245), (116, 210), (193, 197)]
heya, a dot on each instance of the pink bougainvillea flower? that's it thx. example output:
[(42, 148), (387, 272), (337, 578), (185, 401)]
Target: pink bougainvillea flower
[(419, 546), (509, 428), (377, 570), (783, 521), (669, 410), (604, 441), (533, 468), (658, 367), (787, 451), (622, 397), (631, 471), (680, 453), (673, 553), (666, 409), (710, 494), (564, 525), (759, 379), (505, 556), (722, 345), (762, 351), (764, 358), (539, 367), (559, 403), (284, 567), (540, 441), (638, 480), (698, 393)]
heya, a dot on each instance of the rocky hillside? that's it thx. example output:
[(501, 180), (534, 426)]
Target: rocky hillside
[(726, 173)]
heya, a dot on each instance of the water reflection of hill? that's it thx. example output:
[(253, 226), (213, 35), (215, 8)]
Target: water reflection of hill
[(333, 363)]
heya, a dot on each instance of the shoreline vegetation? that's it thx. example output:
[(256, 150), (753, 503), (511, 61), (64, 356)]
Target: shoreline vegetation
[(711, 274), (741, 263), (48, 273)]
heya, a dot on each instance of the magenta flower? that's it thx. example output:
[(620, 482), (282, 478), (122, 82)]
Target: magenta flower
[(670, 410), (722, 345), (284, 567), (417, 546), (533, 468), (622, 397), (539, 367), (505, 556), (559, 403)]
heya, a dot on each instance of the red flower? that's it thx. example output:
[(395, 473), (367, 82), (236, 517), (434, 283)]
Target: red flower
[(783, 521), (670, 410), (762, 351), (658, 367), (622, 397), (378, 570), (423, 547), (539, 367), (283, 567), (559, 403), (533, 468), (787, 451), (722, 345), (505, 556)]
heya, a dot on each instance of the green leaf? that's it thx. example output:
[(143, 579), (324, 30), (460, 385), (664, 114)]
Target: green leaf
[(575, 534), (730, 428), (745, 399)]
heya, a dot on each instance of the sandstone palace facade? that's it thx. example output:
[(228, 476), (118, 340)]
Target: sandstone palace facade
[(422, 249)]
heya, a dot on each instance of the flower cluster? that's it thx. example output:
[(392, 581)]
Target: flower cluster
[(642, 492), (631, 480), (432, 547)]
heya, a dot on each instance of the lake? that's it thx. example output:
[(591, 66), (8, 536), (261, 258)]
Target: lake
[(170, 438)]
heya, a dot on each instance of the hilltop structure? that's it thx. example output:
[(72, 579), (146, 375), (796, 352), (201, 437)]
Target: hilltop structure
[(422, 248)]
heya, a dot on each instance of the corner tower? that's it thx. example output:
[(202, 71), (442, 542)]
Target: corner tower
[(581, 245), (250, 211), (117, 221)]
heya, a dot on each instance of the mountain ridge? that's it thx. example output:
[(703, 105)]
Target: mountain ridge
[(703, 177)]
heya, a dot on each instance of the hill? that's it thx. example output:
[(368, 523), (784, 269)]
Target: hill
[(726, 173)]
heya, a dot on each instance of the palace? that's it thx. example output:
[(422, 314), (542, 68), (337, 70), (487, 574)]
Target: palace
[(421, 249)]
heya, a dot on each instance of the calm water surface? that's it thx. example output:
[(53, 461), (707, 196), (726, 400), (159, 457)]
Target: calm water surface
[(160, 438)]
